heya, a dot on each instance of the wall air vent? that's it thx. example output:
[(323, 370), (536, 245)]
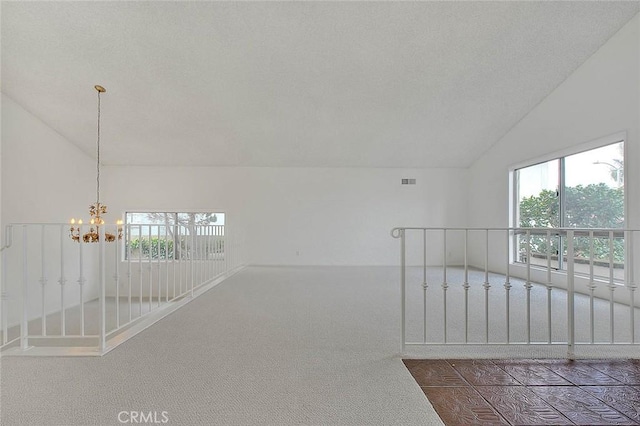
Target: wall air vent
[(408, 181)]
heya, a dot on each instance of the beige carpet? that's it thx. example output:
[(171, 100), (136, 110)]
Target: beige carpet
[(269, 346)]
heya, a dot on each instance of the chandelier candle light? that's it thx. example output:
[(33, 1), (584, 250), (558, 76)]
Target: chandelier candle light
[(97, 209)]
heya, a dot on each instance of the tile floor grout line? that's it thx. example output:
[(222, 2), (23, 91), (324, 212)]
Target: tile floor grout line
[(586, 393)]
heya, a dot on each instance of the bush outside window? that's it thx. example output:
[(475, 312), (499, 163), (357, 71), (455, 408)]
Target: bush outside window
[(174, 235)]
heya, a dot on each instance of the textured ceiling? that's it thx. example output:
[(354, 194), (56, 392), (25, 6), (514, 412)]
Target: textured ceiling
[(326, 84)]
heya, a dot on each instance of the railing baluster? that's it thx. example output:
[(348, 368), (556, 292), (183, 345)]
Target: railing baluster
[(158, 261), (3, 291), (203, 264), (140, 245), (116, 277), (424, 285), (214, 255), (592, 288), (629, 260), (226, 252), (102, 302), (486, 286), (402, 287), (175, 260), (571, 329), (200, 255), (182, 268), (445, 286), (209, 264), (216, 251), (166, 262), (528, 286), (612, 287), (62, 279), (81, 279), (150, 268), (43, 281), (466, 286), (24, 326), (192, 265), (128, 240), (196, 254), (507, 285), (180, 264), (549, 287)]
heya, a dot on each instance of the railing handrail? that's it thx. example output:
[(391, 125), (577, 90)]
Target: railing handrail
[(106, 224), (597, 232)]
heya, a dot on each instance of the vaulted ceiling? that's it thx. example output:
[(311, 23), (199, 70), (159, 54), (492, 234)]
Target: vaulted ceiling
[(309, 84)]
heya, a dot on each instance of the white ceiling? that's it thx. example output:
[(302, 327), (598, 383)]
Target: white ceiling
[(384, 84)]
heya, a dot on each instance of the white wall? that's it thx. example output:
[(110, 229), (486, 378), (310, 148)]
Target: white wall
[(601, 98), (302, 216), (45, 178)]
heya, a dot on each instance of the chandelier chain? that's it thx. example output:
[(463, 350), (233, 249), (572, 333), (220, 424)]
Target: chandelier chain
[(98, 156)]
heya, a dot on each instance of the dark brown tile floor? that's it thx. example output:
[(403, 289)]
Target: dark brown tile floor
[(531, 392)]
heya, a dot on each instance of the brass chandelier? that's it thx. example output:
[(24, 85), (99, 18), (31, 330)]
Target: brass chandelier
[(97, 209)]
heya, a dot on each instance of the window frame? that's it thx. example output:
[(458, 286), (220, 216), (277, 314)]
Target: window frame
[(170, 211), (560, 155)]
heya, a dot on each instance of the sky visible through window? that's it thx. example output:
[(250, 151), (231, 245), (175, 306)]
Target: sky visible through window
[(601, 165)]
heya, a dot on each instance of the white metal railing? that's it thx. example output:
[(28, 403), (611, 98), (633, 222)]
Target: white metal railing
[(57, 292), (466, 260)]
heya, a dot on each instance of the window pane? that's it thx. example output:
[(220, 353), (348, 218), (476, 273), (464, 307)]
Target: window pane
[(538, 203), (538, 207), (594, 188), (594, 198)]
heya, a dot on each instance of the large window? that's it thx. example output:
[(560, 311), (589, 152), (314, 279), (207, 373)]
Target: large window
[(174, 235), (583, 190)]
